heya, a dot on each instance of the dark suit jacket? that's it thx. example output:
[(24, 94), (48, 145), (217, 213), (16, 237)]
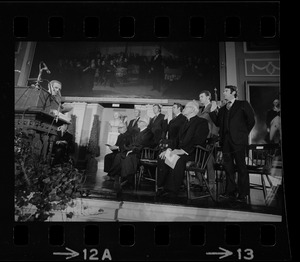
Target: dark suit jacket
[(129, 163), (158, 127), (241, 121), (173, 129), (63, 151), (69, 147), (194, 132), (123, 141), (133, 128), (143, 139), (204, 113)]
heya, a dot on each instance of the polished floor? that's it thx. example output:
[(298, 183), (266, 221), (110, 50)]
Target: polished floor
[(98, 188)]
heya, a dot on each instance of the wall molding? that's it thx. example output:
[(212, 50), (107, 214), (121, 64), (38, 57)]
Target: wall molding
[(262, 67)]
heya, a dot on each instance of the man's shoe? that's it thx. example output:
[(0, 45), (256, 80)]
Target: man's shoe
[(228, 195), (108, 178), (169, 195), (160, 192)]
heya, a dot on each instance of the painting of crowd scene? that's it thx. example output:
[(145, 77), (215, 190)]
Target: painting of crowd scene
[(142, 70)]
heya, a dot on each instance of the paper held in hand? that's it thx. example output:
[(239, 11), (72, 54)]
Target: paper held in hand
[(171, 160), (112, 147)]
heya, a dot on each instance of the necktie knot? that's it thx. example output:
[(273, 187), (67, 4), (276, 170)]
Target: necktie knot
[(228, 105)]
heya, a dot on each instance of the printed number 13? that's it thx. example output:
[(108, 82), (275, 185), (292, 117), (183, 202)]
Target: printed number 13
[(249, 254)]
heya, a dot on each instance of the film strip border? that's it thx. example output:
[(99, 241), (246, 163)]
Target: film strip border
[(161, 27), (151, 241), (143, 21), (140, 22)]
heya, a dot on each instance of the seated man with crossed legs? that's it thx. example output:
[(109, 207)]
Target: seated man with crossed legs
[(193, 132)]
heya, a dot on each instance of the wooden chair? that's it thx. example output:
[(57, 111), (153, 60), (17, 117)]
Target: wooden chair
[(219, 171), (260, 161), (148, 159), (197, 169)]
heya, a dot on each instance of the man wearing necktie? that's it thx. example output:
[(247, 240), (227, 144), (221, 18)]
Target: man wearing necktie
[(193, 132), (235, 121), (133, 124), (175, 124), (158, 124), (205, 101)]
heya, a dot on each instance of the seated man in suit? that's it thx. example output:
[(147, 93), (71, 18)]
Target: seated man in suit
[(63, 146), (125, 163), (123, 141), (193, 132), (133, 124)]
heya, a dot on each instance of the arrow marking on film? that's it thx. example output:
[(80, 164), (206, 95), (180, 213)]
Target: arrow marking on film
[(225, 253), (71, 255)]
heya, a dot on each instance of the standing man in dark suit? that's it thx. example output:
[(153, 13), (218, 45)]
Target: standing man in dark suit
[(193, 132), (205, 102), (236, 120), (133, 124), (158, 124)]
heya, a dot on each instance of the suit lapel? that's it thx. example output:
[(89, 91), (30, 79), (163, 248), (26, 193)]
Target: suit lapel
[(155, 118), (186, 126), (233, 108), (205, 109), (135, 121), (208, 108)]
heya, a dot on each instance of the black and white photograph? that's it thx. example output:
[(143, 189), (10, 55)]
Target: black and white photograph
[(147, 131)]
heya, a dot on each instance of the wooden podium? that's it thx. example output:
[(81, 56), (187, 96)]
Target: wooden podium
[(34, 99), (32, 116)]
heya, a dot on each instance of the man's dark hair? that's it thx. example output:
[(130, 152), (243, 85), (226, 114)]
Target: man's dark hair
[(232, 88), (180, 106), (159, 107), (206, 92)]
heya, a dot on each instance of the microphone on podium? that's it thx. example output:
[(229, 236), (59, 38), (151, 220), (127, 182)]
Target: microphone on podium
[(46, 68)]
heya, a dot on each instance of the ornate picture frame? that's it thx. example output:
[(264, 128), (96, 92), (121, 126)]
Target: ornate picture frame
[(262, 67)]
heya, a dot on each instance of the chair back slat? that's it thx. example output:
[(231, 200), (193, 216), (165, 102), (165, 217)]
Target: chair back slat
[(149, 153), (203, 154), (261, 155)]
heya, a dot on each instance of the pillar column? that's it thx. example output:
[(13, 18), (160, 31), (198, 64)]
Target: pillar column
[(231, 73), (78, 110), (26, 63)]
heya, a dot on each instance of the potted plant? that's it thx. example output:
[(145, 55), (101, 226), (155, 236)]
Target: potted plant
[(41, 189)]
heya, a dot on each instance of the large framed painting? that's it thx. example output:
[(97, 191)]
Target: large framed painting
[(143, 70)]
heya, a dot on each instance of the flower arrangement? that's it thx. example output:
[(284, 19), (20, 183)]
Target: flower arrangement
[(41, 188)]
